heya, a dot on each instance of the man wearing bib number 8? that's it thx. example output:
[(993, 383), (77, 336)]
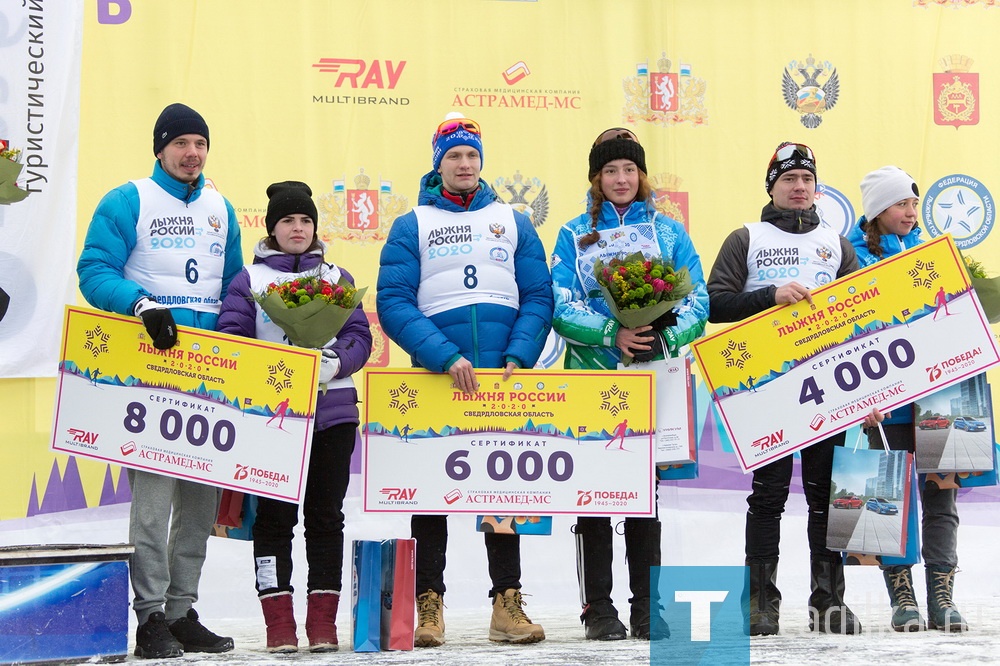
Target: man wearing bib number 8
[(463, 284), (165, 248), (778, 260)]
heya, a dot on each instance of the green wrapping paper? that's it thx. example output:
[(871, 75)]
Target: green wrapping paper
[(311, 325), (9, 191), (988, 291)]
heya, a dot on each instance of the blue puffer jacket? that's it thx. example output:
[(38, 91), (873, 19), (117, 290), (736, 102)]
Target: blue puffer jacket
[(488, 335), (891, 243), (353, 344), (111, 238), (585, 320)]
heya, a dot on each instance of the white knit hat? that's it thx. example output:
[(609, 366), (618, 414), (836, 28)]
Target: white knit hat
[(883, 188)]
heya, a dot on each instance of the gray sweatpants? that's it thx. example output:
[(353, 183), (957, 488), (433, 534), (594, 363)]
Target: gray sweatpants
[(169, 525), (939, 508)]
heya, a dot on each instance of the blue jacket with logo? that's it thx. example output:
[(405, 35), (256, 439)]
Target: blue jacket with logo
[(585, 320), (890, 243), (488, 335), (111, 237)]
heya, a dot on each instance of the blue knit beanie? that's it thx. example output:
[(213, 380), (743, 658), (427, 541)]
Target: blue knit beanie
[(460, 137)]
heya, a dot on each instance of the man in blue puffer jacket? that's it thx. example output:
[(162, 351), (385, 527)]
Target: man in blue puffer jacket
[(164, 249), (464, 284)]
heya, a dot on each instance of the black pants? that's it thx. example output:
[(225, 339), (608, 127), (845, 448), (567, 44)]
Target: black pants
[(766, 502), (503, 553), (322, 510)]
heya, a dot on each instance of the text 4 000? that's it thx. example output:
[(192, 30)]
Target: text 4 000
[(874, 364)]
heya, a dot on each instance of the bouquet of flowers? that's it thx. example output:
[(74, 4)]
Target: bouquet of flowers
[(987, 288), (641, 291), (309, 309), (10, 169)]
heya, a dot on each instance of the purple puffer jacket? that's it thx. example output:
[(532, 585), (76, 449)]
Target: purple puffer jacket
[(353, 343)]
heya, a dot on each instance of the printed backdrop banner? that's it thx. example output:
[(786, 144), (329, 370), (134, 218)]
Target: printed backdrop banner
[(40, 48), (352, 111)]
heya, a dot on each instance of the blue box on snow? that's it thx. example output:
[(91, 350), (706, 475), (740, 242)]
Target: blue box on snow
[(64, 603)]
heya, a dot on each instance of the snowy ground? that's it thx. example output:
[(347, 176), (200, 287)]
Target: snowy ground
[(701, 527)]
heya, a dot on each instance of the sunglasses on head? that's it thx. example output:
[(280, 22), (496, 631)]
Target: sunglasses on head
[(451, 126), (616, 133), (787, 151)]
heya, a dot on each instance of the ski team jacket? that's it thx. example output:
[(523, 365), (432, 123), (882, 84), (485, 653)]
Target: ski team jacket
[(891, 244), (241, 315), (730, 273), (582, 316), (112, 239), (437, 329)]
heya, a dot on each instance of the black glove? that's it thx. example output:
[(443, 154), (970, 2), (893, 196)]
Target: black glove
[(159, 323), (656, 349)]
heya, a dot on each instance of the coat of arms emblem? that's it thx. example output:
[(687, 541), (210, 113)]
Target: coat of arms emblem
[(956, 92), (664, 97), (362, 213), (810, 87), (525, 195)]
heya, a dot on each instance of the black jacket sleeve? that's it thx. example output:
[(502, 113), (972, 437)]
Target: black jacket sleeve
[(726, 299)]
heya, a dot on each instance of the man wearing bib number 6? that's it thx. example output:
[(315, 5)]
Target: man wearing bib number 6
[(744, 281), (131, 265), (463, 284)]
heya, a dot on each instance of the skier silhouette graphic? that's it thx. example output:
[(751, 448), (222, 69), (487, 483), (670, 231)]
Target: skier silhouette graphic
[(940, 301), (619, 433), (279, 411)]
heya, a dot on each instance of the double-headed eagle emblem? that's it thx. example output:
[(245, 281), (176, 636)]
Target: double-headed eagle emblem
[(817, 93), (516, 191)]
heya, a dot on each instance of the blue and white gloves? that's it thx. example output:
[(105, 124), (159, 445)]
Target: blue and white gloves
[(158, 321), (329, 366)]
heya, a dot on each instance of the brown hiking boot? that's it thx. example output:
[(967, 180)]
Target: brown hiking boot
[(430, 620), (509, 623)]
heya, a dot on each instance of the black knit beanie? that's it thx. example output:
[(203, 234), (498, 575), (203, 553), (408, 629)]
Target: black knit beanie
[(174, 121), (615, 149), (799, 156), (288, 198)]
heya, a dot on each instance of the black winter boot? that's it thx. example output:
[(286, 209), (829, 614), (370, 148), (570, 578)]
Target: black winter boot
[(762, 600), (642, 551), (827, 611), (594, 554), (941, 611)]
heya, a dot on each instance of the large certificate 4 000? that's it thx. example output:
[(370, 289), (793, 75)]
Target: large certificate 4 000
[(880, 337)]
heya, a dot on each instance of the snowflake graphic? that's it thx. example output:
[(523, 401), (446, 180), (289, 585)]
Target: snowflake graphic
[(736, 354), (923, 274), (97, 341), (280, 376), (614, 400), (403, 398)]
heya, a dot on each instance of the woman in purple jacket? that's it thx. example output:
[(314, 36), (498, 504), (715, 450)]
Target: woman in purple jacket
[(291, 249)]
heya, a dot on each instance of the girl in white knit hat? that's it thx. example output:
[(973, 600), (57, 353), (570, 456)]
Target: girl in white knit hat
[(891, 202)]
